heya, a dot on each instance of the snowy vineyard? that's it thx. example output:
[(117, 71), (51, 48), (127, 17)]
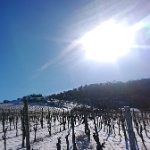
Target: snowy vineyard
[(52, 128)]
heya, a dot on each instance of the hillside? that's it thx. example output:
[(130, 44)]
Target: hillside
[(135, 93)]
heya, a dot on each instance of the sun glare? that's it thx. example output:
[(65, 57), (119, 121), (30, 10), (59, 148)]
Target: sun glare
[(108, 41)]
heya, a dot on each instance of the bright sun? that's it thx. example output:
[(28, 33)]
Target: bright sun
[(108, 41)]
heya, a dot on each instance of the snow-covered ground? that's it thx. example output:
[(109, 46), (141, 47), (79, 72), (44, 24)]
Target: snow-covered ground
[(113, 141)]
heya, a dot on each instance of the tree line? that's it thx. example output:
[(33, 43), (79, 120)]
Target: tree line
[(135, 93)]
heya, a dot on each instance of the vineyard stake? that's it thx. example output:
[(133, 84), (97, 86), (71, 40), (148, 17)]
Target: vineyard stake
[(130, 127), (27, 125)]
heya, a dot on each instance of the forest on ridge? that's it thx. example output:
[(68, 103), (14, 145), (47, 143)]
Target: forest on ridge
[(135, 93)]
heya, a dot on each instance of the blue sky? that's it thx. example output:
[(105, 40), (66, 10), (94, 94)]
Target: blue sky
[(39, 53)]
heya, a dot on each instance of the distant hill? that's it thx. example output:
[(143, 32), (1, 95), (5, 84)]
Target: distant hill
[(135, 93)]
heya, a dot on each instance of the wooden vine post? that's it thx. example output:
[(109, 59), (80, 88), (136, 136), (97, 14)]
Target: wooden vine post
[(130, 127), (73, 135), (27, 125)]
